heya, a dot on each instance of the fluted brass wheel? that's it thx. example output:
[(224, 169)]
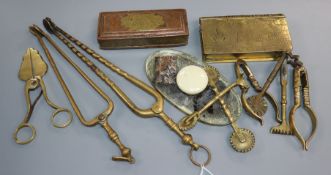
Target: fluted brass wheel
[(244, 145), (259, 105)]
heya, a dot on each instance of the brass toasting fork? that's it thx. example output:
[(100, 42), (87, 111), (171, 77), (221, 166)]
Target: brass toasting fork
[(100, 118), (156, 109)]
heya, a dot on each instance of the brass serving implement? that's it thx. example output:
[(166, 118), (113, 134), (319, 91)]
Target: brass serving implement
[(256, 105), (32, 69), (242, 65), (301, 90), (156, 110), (102, 118), (242, 139), (283, 127)]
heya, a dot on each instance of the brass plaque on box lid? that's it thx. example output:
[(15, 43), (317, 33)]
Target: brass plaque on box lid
[(248, 37)]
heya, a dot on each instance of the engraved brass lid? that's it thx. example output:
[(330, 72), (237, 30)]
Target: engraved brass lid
[(249, 37)]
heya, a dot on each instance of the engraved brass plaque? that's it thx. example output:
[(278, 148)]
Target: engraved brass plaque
[(138, 21), (248, 37)]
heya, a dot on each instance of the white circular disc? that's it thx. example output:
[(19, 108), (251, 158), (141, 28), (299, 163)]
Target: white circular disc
[(192, 79)]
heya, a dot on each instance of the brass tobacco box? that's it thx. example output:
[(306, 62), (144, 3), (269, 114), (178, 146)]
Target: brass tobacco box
[(142, 29), (248, 37)]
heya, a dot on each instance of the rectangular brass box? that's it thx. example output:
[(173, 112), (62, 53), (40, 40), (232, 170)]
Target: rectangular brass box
[(143, 28), (248, 37)]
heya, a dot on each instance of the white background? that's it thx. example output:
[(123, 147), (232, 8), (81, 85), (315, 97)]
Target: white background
[(81, 150)]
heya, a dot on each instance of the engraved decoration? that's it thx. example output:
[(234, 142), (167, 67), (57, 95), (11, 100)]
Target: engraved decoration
[(138, 22)]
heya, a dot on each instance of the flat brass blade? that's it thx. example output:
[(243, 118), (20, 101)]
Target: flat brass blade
[(32, 65)]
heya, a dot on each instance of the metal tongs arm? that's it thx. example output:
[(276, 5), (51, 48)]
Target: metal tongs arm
[(156, 107)]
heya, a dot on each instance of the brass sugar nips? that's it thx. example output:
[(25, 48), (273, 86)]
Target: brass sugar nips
[(242, 140), (102, 118), (156, 110), (32, 69), (301, 90)]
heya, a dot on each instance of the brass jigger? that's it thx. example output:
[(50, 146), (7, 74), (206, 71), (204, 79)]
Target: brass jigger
[(100, 118), (256, 106), (242, 140), (156, 110)]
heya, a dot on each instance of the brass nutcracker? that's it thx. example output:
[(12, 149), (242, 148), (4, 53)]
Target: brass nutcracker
[(301, 90)]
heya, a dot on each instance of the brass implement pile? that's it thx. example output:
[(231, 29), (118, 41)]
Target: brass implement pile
[(214, 31)]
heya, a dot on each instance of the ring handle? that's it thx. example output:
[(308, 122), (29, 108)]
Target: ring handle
[(197, 163), (19, 128), (67, 123)]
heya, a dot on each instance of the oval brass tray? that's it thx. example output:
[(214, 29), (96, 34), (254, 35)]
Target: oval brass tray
[(185, 102)]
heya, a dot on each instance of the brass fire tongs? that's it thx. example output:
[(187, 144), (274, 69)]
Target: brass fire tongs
[(100, 118), (156, 109)]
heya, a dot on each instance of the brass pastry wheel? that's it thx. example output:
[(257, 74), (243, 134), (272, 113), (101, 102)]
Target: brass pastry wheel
[(241, 139)]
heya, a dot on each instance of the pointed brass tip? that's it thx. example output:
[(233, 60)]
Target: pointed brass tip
[(49, 25), (37, 31), (305, 147)]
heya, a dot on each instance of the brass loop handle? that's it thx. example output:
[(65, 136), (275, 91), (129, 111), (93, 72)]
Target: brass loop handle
[(30, 139), (197, 163), (65, 124)]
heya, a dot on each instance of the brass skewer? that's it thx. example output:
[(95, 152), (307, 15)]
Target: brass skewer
[(100, 118)]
